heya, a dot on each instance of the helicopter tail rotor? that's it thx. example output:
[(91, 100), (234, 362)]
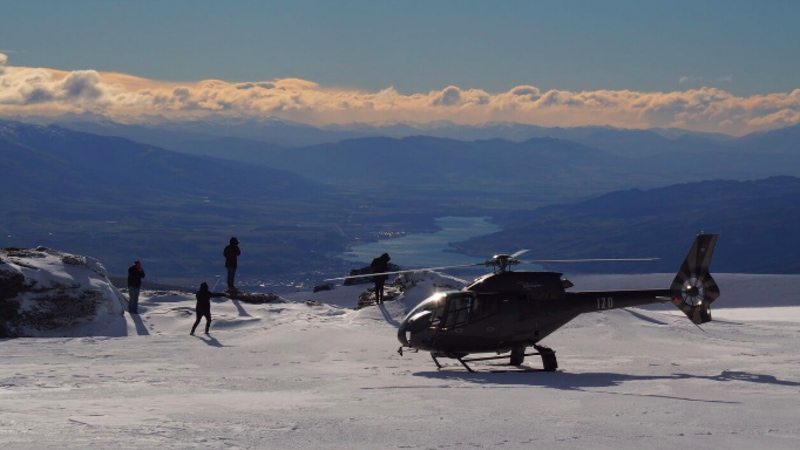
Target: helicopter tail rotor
[(694, 289)]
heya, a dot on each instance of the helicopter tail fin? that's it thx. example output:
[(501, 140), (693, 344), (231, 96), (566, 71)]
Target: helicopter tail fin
[(693, 289)]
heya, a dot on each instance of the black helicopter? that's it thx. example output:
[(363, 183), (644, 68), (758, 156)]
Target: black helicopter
[(507, 311)]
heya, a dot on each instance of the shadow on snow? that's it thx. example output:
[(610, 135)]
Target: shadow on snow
[(583, 381)]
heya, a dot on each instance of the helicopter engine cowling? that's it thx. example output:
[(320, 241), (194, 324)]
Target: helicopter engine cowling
[(694, 289)]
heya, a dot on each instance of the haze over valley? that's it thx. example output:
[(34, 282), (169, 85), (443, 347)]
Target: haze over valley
[(297, 208)]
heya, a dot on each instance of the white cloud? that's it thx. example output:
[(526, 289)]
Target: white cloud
[(689, 79), (35, 91)]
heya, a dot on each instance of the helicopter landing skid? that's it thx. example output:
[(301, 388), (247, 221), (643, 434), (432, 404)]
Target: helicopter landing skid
[(547, 354)]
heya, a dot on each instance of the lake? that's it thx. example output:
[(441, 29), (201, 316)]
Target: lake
[(427, 249)]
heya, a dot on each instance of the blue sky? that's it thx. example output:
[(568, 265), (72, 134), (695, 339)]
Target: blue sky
[(744, 48)]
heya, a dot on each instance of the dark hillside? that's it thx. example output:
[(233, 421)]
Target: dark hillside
[(757, 222), (119, 200)]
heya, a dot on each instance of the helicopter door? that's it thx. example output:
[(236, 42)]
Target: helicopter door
[(512, 315)]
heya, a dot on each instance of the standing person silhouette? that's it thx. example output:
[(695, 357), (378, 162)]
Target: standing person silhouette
[(380, 265), (135, 275), (203, 307), (231, 254)]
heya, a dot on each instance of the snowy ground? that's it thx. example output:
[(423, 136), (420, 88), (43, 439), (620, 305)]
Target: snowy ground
[(297, 375)]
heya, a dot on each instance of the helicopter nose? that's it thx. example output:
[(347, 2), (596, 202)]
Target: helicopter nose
[(410, 325), (401, 334)]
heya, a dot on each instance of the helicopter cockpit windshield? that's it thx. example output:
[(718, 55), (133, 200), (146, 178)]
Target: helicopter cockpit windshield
[(456, 311), (441, 312)]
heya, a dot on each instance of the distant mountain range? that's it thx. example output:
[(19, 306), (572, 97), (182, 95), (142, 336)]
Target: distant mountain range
[(611, 158), (175, 192), (135, 168), (290, 134)]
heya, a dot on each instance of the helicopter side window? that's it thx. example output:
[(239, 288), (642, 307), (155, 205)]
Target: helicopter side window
[(459, 308), (484, 307)]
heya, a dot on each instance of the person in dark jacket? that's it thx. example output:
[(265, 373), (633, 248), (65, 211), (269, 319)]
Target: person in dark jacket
[(135, 275), (231, 254), (203, 307), (380, 265)]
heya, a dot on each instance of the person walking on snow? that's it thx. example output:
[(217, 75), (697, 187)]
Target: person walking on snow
[(380, 265), (231, 254), (203, 307), (135, 275)]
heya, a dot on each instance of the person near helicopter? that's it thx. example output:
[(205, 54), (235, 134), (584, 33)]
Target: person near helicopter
[(380, 265)]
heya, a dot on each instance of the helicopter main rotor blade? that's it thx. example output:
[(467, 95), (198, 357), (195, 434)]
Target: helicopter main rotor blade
[(519, 253), (584, 260), (397, 272), (512, 260)]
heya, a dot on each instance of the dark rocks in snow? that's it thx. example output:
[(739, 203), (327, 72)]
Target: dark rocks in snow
[(390, 293), (323, 287), (252, 297)]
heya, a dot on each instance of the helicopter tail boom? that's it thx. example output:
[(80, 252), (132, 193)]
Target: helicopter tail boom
[(694, 289)]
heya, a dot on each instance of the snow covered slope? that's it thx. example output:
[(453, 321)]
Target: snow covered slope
[(309, 371)]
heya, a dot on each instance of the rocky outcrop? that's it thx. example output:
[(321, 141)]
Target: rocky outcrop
[(412, 287), (252, 297), (44, 292)]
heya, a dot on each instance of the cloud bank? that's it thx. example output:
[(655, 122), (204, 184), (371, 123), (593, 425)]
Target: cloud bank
[(48, 92)]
